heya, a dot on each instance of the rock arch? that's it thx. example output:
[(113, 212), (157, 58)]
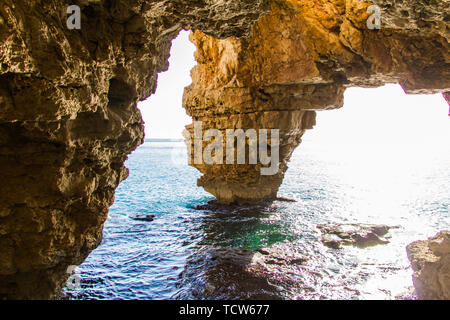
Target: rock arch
[(300, 58)]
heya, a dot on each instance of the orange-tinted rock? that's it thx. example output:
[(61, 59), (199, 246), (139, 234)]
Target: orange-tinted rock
[(300, 58)]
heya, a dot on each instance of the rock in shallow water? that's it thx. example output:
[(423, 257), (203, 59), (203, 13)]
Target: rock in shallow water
[(430, 260), (359, 235), (271, 273), (216, 206)]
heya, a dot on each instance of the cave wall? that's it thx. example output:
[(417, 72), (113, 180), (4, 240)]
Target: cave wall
[(68, 119), (300, 58)]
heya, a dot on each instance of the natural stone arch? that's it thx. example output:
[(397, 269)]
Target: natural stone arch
[(300, 58)]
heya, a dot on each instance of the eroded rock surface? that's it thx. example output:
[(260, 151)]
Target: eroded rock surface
[(300, 58), (430, 260), (68, 119)]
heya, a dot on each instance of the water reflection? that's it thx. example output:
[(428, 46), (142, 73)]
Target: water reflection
[(254, 254), (218, 266), (272, 251), (275, 252)]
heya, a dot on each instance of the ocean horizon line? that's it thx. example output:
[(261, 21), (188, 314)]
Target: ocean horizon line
[(163, 140)]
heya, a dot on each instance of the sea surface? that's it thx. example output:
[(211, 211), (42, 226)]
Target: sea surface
[(201, 254)]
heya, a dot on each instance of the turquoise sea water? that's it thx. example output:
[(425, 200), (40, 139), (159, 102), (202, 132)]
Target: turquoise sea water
[(169, 258)]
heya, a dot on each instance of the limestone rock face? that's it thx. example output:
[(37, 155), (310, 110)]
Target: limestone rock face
[(68, 119), (300, 58), (430, 260)]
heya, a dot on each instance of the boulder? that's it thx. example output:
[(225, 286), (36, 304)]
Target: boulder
[(359, 235), (430, 260)]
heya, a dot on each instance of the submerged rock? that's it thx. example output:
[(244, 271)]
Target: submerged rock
[(430, 260), (214, 205), (358, 235), (149, 217), (233, 273)]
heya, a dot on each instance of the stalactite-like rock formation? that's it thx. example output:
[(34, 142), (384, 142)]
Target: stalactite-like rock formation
[(68, 119), (68, 116), (299, 58)]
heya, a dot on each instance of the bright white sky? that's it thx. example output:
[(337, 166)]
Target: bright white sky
[(384, 115), (163, 114)]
